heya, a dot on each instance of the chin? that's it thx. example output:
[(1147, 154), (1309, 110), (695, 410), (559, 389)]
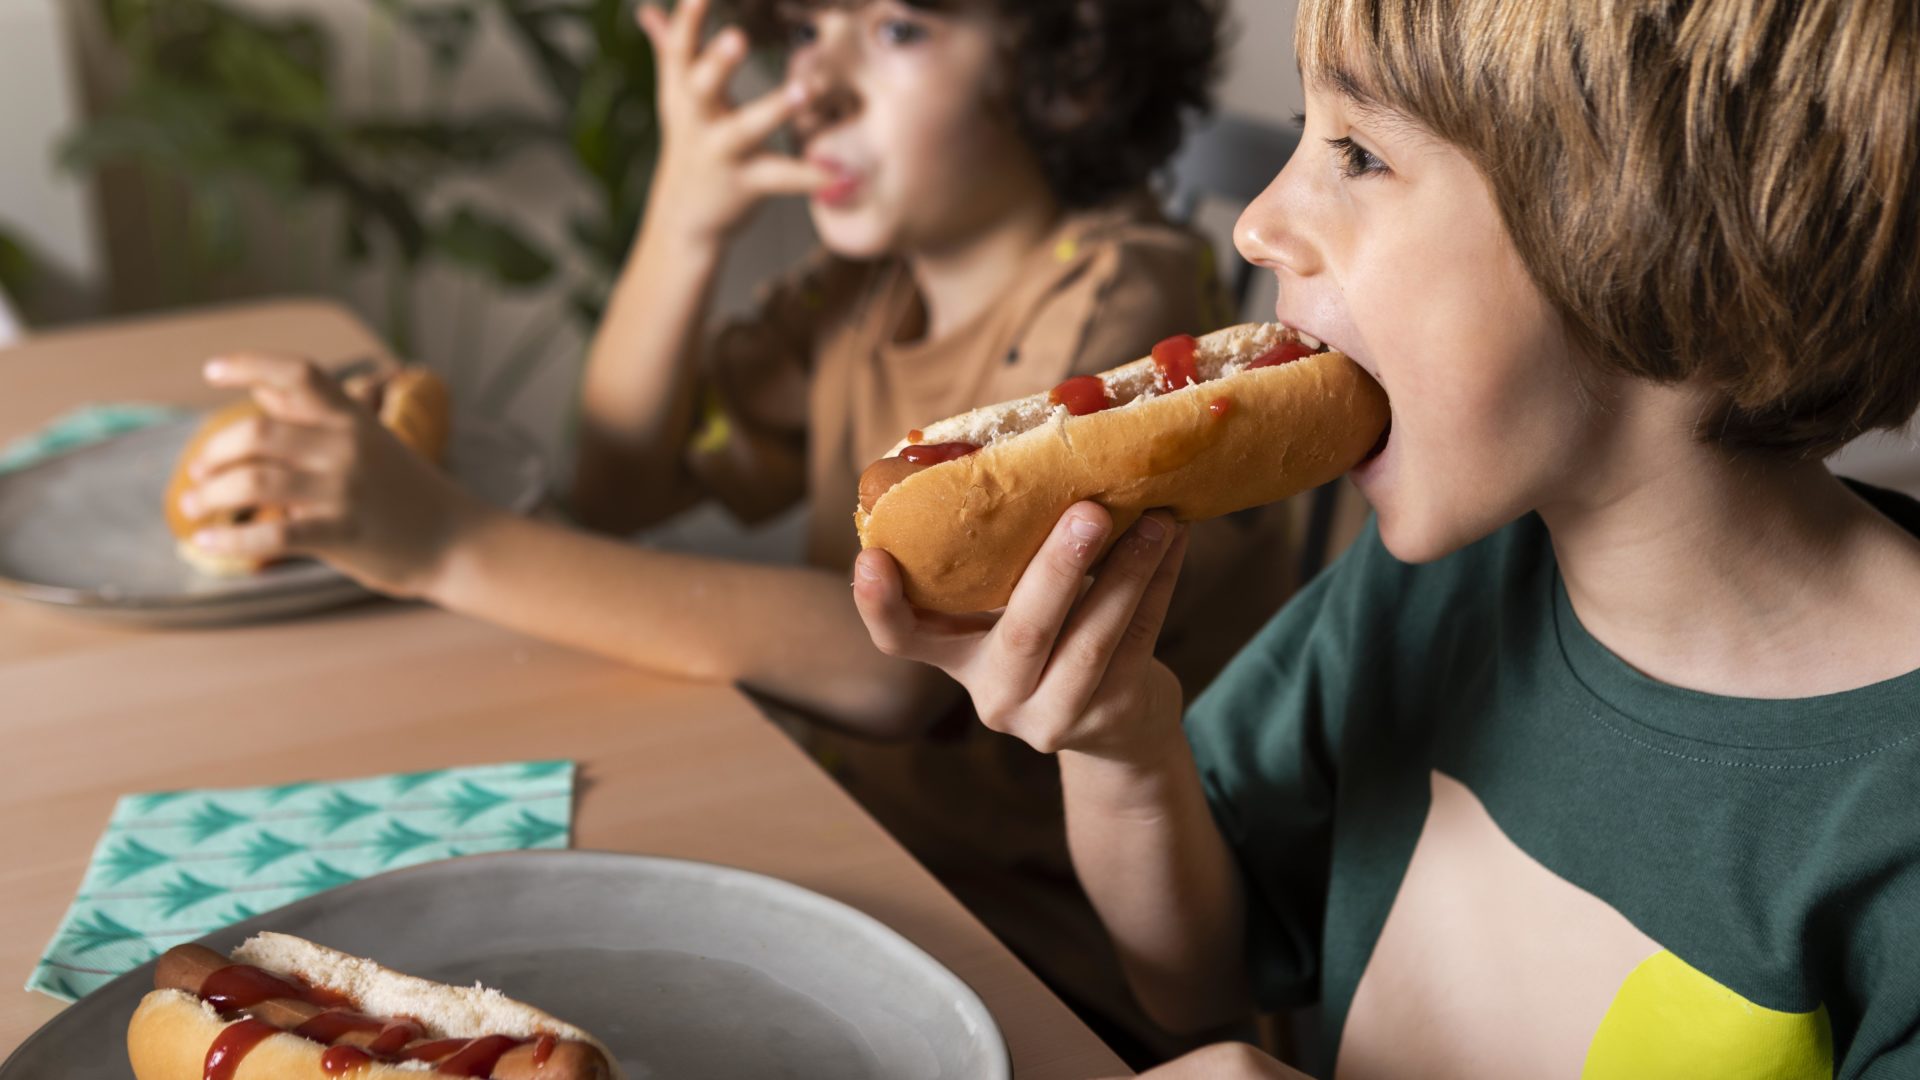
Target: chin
[(851, 234), (1423, 535)]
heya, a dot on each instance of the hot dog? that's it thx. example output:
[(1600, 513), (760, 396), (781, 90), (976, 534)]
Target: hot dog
[(283, 1008), (413, 403), (1203, 427)]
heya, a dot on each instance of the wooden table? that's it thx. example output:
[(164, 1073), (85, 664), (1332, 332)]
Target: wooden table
[(91, 710)]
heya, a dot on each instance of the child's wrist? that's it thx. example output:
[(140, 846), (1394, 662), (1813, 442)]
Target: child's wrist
[(467, 524), (669, 253), (674, 229), (1131, 786), (1154, 748)]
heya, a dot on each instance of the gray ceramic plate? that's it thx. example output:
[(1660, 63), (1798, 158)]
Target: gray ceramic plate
[(84, 531), (684, 969)]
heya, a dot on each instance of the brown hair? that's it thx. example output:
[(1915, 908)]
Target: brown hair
[(1099, 90), (1722, 189)]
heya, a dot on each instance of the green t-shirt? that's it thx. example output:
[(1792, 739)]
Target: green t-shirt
[(1488, 847)]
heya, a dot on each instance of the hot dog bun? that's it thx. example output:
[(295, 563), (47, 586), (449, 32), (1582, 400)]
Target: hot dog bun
[(963, 531), (173, 1029), (182, 526), (413, 403), (416, 406)]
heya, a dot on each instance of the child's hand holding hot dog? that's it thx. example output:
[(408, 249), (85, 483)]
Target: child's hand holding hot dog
[(344, 488), (1061, 668), (1069, 669)]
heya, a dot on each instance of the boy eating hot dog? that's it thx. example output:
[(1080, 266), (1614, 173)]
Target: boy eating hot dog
[(1594, 757)]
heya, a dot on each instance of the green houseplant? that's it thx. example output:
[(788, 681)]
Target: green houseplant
[(225, 105)]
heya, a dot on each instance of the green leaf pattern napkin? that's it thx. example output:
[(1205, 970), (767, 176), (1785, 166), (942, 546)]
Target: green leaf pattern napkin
[(84, 425), (176, 865)]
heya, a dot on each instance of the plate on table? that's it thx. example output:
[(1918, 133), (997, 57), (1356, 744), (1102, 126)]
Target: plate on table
[(84, 531), (684, 969)]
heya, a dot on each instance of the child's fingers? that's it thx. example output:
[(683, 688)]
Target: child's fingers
[(1023, 640), (364, 389), (254, 540), (653, 22), (882, 603), (301, 530), (245, 486), (1106, 616), (288, 387), (683, 30), (261, 438), (756, 121), (1137, 644), (708, 77), (773, 174), (898, 629)]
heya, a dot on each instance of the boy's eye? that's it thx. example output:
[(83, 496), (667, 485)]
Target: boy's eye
[(902, 31), (800, 31), (1356, 160)]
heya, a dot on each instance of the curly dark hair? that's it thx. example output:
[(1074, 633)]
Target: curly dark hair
[(1099, 89)]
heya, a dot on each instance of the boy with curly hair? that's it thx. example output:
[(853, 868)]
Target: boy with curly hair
[(1595, 756)]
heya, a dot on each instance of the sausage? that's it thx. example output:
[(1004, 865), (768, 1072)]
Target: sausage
[(571, 1060), (187, 968), (881, 476)]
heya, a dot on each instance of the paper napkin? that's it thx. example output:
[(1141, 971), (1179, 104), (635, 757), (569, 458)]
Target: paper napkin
[(173, 866)]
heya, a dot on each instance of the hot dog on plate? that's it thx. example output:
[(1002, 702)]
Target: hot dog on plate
[(1203, 427), (283, 1008)]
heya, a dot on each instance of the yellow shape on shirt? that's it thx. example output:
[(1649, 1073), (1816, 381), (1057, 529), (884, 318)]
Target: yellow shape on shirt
[(1669, 1020)]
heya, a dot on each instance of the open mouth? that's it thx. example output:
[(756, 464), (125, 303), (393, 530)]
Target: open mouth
[(1381, 444), (1301, 343)]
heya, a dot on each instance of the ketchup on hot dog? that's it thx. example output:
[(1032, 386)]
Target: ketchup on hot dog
[(1081, 394), (1284, 353), (232, 1044), (1175, 358), (935, 453)]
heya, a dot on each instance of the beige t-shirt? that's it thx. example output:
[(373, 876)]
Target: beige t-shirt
[(826, 378)]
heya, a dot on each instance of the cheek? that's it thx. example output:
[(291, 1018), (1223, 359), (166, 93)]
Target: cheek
[(935, 146), (1459, 324), (933, 124), (1488, 416)]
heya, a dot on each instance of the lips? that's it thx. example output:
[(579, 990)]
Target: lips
[(844, 186), (1380, 444), (1314, 341)]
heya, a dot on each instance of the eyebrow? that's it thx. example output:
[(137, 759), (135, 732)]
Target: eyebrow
[(1362, 101), (1347, 85)]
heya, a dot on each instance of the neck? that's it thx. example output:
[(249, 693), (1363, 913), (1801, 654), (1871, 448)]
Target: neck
[(1739, 578), (959, 280)]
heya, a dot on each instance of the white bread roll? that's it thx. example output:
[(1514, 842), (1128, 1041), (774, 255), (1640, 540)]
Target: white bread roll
[(963, 531)]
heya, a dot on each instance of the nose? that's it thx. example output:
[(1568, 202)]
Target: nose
[(822, 74), (1270, 233)]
